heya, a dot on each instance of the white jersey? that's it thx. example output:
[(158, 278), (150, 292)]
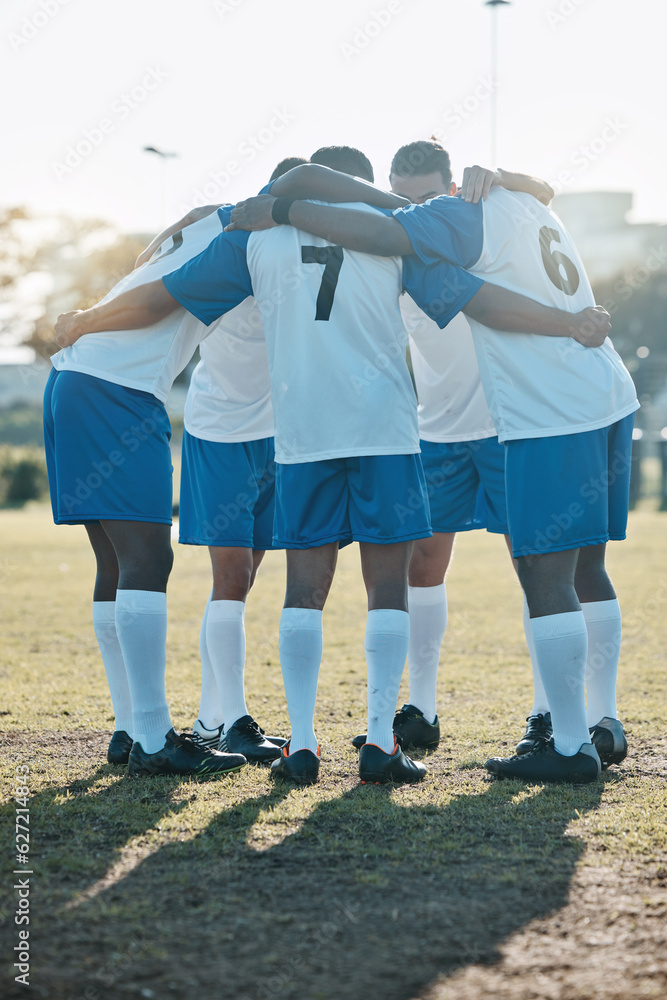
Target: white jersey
[(540, 386), (336, 345), (229, 398), (452, 406), (148, 359), (535, 386)]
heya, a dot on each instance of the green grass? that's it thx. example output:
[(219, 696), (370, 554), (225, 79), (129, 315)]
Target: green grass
[(242, 888)]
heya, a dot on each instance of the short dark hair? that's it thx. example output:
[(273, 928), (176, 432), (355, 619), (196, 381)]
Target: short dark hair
[(287, 164), (422, 157), (347, 159)]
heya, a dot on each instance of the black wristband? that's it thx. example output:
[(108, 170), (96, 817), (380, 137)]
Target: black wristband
[(280, 210)]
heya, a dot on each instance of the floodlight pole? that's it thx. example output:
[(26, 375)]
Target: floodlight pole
[(494, 4)]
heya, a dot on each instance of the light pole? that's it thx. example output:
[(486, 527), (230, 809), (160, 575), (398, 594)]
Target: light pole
[(494, 4), (163, 160)]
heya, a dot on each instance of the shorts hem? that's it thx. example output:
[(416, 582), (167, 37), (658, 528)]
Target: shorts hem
[(567, 547), (87, 518)]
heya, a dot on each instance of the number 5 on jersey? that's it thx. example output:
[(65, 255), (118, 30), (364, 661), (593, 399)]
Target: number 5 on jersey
[(332, 258)]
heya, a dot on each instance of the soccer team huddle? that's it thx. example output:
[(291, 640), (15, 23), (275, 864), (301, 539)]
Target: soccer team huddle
[(304, 431)]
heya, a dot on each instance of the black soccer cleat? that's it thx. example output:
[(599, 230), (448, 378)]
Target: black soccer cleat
[(545, 765), (302, 767), (119, 747), (180, 755), (412, 730), (538, 730), (246, 737), (608, 737), (377, 767), (211, 737)]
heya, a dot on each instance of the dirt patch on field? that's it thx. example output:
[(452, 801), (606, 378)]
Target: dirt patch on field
[(362, 898)]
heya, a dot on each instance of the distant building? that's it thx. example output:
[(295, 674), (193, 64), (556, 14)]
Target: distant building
[(607, 242)]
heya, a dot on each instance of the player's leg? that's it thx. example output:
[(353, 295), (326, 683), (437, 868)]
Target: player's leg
[(311, 520), (548, 525), (452, 483), (385, 572), (598, 599), (104, 623), (145, 557), (225, 500), (427, 605), (389, 509), (309, 576)]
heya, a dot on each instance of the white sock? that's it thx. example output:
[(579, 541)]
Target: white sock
[(210, 712), (225, 642), (386, 645), (428, 621), (603, 621), (300, 644), (540, 703), (104, 623), (141, 624), (561, 642)]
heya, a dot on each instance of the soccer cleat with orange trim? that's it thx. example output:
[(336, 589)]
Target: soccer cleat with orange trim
[(302, 767), (412, 730), (377, 767)]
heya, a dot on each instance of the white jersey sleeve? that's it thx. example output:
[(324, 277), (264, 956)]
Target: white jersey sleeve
[(148, 359)]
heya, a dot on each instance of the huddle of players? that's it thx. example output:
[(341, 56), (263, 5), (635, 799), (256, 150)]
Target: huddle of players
[(331, 487)]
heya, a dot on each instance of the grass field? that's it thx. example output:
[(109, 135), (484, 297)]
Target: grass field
[(461, 888)]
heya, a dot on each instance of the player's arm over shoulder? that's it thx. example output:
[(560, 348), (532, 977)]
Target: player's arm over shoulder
[(131, 310)]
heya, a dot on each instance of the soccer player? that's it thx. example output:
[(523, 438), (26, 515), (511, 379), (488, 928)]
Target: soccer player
[(227, 503), (107, 445), (460, 453), (565, 414), (346, 442)]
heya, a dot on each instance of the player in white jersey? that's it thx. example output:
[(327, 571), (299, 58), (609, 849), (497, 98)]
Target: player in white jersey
[(566, 415), (227, 496), (325, 431), (462, 457), (107, 442)]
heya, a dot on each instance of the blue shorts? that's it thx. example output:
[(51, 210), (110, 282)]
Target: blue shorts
[(466, 485), (107, 451), (227, 493), (569, 491), (373, 498)]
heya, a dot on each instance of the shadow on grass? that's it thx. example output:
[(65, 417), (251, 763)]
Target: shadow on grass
[(370, 895)]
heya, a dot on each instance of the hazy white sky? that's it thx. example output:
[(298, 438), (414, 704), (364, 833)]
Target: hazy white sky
[(235, 85)]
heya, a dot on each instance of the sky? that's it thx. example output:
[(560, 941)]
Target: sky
[(233, 86)]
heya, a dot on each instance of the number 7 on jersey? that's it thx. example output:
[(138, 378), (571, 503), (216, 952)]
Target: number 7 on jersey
[(332, 258)]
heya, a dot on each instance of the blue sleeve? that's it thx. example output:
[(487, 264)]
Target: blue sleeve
[(440, 289), (444, 228), (216, 280)]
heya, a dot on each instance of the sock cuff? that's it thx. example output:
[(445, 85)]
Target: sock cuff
[(388, 621), (554, 626), (600, 611), (301, 618), (104, 612), (427, 595), (226, 611), (141, 602)]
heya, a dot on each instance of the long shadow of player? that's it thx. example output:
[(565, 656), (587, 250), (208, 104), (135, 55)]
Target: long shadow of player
[(370, 896)]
